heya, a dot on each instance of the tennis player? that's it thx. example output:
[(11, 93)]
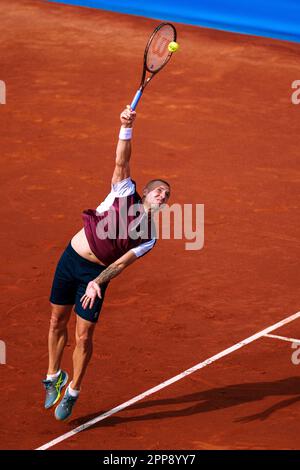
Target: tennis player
[(114, 236)]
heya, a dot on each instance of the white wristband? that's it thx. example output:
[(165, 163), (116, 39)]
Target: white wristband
[(125, 133)]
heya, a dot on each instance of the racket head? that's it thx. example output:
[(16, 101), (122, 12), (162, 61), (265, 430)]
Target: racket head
[(157, 53)]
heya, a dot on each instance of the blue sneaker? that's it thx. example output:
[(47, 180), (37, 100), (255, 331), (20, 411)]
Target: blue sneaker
[(53, 388), (64, 409)]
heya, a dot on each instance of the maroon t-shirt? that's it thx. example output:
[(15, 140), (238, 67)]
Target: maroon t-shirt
[(119, 224)]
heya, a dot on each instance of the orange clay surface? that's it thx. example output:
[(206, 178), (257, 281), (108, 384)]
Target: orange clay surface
[(219, 124)]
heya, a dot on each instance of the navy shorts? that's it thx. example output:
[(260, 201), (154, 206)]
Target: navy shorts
[(72, 275)]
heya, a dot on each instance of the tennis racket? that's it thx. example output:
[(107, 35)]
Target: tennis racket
[(156, 56)]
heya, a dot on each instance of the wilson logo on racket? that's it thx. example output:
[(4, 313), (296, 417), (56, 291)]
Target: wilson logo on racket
[(159, 45)]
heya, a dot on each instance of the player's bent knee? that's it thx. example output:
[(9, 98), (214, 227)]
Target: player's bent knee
[(57, 323), (84, 339), (59, 316)]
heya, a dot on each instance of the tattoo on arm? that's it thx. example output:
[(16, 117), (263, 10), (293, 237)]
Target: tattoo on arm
[(109, 273)]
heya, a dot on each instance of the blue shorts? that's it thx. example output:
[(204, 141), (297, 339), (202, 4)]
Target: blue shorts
[(72, 275)]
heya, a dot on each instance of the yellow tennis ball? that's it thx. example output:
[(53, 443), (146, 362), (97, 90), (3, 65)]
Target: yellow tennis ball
[(173, 46)]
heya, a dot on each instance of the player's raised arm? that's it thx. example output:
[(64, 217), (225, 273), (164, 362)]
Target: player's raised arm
[(123, 153)]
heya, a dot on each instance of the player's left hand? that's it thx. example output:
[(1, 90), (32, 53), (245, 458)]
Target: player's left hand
[(92, 291)]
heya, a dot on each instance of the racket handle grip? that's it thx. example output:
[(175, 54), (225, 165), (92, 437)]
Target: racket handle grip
[(136, 99)]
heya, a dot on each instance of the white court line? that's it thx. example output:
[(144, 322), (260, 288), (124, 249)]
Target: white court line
[(284, 338), (170, 381)]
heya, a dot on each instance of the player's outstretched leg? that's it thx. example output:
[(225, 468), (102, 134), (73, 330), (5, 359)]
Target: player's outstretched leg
[(81, 357), (56, 378)]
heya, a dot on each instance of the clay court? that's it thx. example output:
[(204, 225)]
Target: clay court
[(219, 124)]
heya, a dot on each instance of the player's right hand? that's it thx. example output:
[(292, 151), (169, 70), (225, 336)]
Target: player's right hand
[(127, 117)]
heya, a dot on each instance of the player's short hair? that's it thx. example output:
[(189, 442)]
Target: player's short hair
[(154, 183)]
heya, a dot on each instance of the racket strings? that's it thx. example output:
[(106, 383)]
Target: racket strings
[(158, 53)]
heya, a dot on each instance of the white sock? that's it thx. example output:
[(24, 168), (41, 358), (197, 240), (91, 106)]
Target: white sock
[(72, 392), (53, 376)]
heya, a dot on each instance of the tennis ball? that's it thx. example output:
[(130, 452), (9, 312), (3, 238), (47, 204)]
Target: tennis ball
[(173, 46)]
